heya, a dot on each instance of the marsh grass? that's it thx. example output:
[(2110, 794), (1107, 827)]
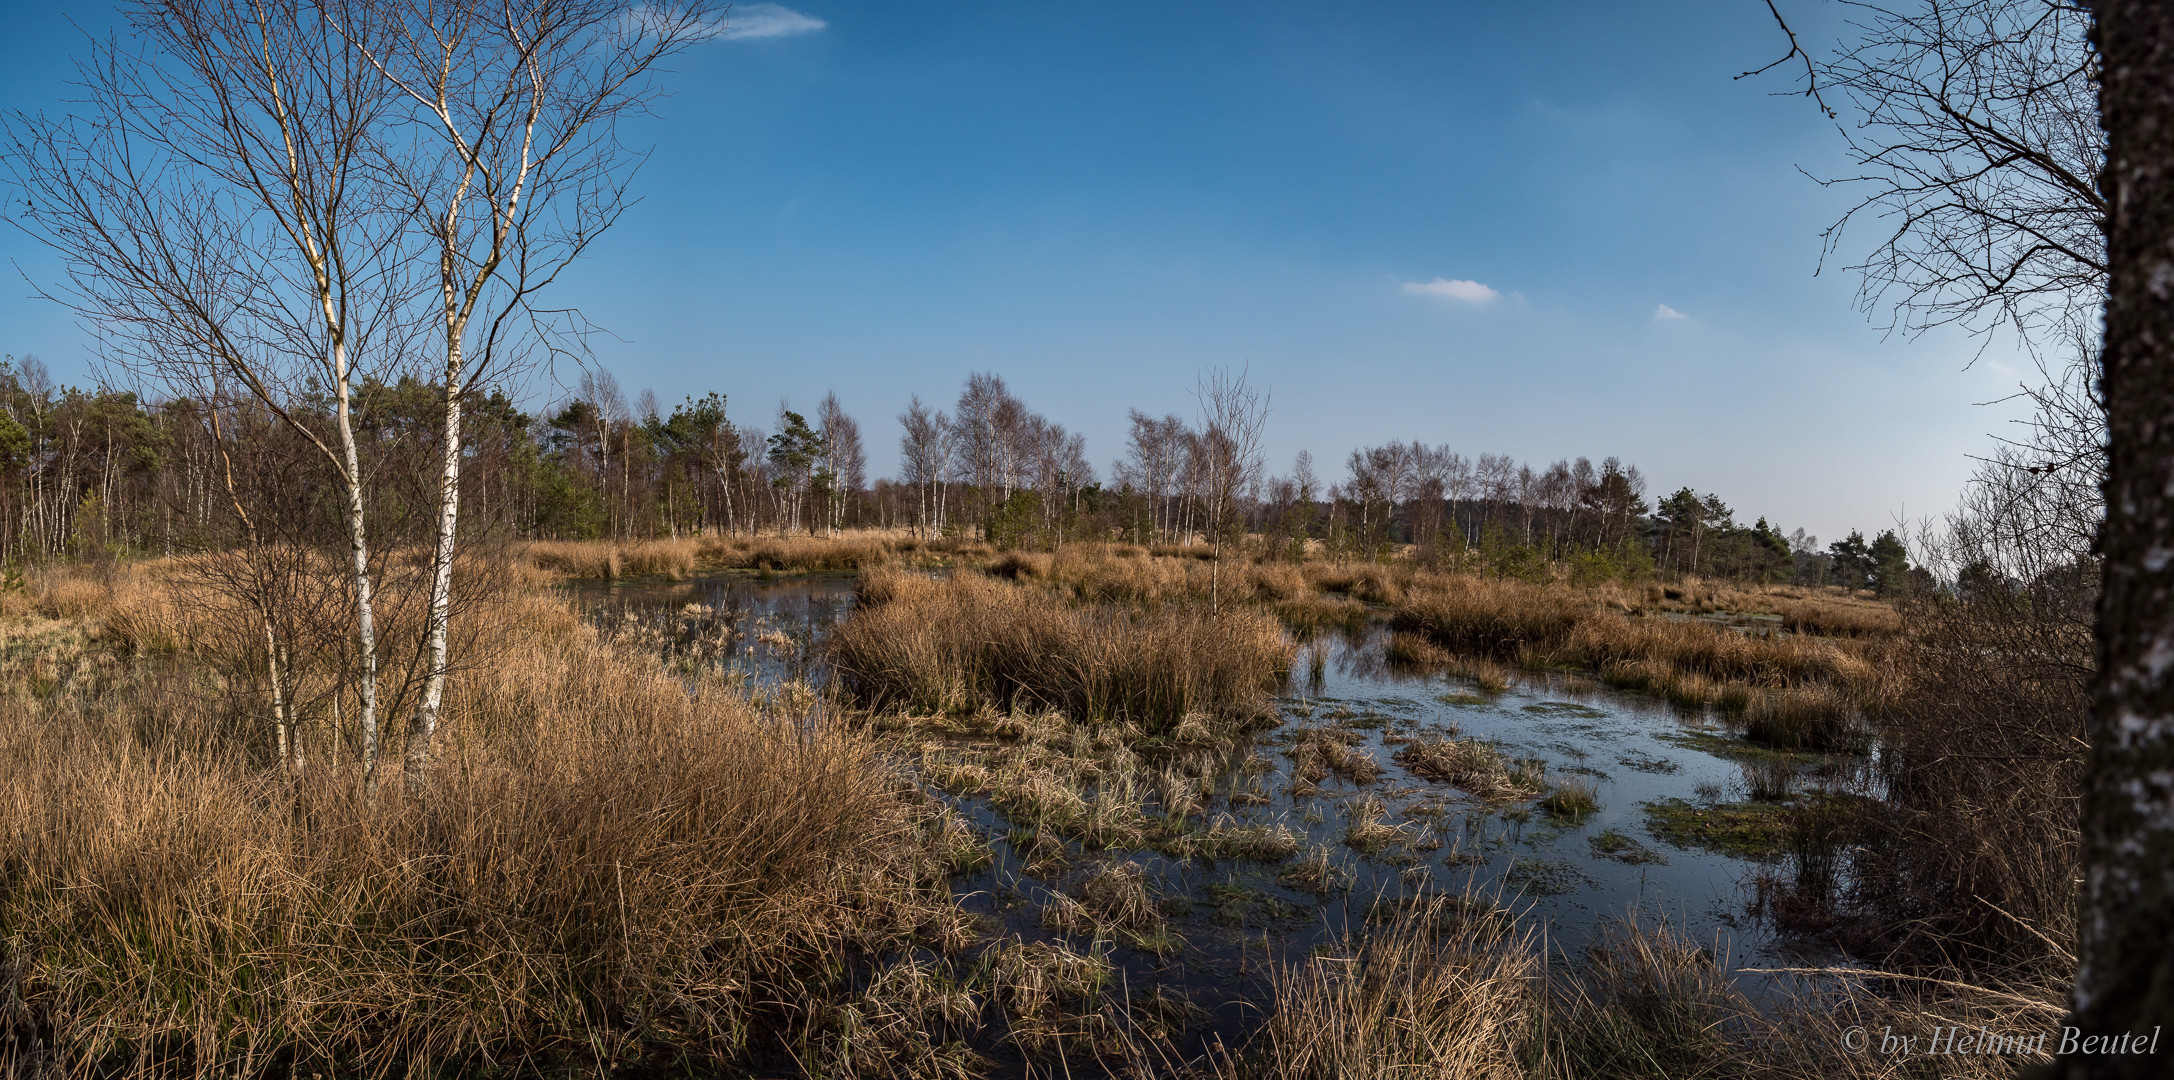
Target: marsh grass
[(677, 558), (1571, 799), (623, 867), (1471, 765), (1691, 662), (1818, 718), (1441, 985), (1367, 829), (970, 642), (607, 861), (1317, 753), (1318, 872), (1227, 838), (1768, 779), (1405, 999)]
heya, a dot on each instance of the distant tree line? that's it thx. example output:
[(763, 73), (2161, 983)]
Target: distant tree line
[(90, 471)]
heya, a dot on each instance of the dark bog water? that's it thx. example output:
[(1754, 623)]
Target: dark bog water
[(1234, 918)]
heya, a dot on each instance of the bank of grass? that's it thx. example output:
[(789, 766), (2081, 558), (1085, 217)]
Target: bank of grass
[(1436, 992), (1802, 691), (610, 868), (969, 642), (679, 557)]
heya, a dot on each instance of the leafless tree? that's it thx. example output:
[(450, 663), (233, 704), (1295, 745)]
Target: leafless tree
[(512, 114), (2127, 940), (1153, 466), (607, 416), (984, 419), (925, 452), (221, 212), (1233, 420), (1976, 130), (844, 458)]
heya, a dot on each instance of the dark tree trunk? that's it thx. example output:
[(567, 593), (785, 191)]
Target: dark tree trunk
[(2126, 982)]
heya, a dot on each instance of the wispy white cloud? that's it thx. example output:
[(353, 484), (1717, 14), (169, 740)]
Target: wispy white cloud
[(1664, 313), (743, 21), (1470, 292)]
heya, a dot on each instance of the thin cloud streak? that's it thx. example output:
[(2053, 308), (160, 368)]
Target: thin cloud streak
[(750, 21), (1470, 292)]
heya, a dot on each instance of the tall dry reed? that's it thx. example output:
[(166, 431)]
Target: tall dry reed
[(1695, 661), (606, 865), (686, 555), (1448, 988), (969, 642)]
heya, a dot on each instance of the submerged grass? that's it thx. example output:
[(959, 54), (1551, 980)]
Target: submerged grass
[(1471, 765)]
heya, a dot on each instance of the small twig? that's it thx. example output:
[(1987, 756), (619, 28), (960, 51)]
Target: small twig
[(1811, 72)]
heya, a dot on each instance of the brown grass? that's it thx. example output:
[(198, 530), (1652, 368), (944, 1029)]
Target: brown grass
[(1839, 617), (782, 554), (1469, 764), (970, 642), (1406, 1000), (1807, 718), (1690, 661), (606, 863), (1317, 752), (1446, 987)]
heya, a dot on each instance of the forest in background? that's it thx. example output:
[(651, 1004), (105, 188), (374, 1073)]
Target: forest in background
[(101, 472)]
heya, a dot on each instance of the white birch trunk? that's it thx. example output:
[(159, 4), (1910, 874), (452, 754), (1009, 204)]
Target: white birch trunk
[(359, 546), (425, 725)]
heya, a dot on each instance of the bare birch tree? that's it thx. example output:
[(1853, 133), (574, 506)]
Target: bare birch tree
[(1233, 419), (844, 458), (220, 212), (513, 109), (924, 451)]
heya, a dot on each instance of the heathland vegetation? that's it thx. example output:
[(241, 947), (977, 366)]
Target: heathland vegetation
[(615, 863), (282, 541)]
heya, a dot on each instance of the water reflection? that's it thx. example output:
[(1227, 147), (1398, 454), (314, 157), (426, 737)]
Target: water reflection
[(1368, 832)]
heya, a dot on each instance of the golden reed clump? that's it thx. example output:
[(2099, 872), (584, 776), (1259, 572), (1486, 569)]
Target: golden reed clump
[(1690, 660), (606, 861), (1443, 985), (687, 555), (970, 642)]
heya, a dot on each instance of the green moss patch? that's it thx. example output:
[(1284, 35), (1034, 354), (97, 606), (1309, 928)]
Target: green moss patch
[(1746, 830), (1623, 848)]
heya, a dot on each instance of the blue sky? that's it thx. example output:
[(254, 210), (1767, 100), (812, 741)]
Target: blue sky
[(1097, 201)]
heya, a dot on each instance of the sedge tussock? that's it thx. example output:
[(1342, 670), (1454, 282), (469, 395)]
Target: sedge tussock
[(595, 832), (969, 642)]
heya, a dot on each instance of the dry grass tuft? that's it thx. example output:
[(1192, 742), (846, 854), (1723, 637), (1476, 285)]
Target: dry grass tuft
[(970, 642), (677, 558), (1406, 1000), (1469, 764), (606, 862), (1572, 798), (1808, 718), (1839, 617), (1118, 895), (1690, 661), (1446, 987), (1318, 752)]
